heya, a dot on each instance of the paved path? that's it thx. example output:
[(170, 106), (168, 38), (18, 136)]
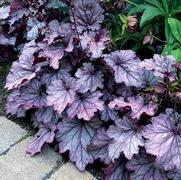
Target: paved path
[(15, 164)]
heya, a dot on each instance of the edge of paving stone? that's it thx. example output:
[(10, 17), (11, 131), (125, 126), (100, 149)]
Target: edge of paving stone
[(59, 163), (25, 135), (12, 145), (86, 173)]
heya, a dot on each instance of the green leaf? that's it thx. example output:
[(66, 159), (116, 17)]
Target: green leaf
[(167, 50), (137, 9), (149, 14), (165, 5), (156, 3), (177, 54), (168, 34), (124, 27), (176, 11), (176, 7), (175, 26), (123, 18)]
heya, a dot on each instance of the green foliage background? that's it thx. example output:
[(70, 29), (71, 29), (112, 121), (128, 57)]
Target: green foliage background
[(160, 17)]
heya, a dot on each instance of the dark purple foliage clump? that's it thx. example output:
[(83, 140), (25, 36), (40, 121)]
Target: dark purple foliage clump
[(95, 103)]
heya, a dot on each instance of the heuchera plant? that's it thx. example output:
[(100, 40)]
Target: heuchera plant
[(93, 102)]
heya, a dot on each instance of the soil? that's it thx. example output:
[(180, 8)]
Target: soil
[(3, 93)]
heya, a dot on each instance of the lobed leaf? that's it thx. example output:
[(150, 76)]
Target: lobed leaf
[(117, 170), (126, 67), (144, 167), (85, 105), (160, 65), (24, 69), (137, 105), (44, 135), (61, 93), (126, 139), (163, 139), (89, 78), (94, 42), (99, 146), (75, 136), (88, 15)]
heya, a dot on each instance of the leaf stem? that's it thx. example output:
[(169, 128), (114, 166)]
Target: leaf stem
[(75, 25), (134, 4), (157, 38)]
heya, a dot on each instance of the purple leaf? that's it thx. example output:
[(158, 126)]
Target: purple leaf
[(61, 73), (148, 39), (17, 16), (85, 105), (68, 35), (54, 31), (87, 14), (62, 31), (164, 139), (58, 40), (116, 170), (89, 78), (99, 146), (54, 54), (56, 4), (14, 105), (17, 11), (108, 113), (174, 174), (74, 136), (63, 76), (124, 90), (45, 116), (144, 167), (16, 5), (33, 28), (61, 93), (137, 104), (160, 65), (4, 12), (27, 97), (46, 134), (126, 138), (24, 69), (177, 66), (118, 103), (126, 67), (4, 40), (149, 79), (94, 42), (33, 95)]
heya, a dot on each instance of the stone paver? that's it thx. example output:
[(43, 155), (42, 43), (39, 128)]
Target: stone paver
[(17, 165), (10, 133), (68, 171)]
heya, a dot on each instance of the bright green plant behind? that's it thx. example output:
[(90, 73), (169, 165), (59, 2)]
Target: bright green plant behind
[(160, 17)]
